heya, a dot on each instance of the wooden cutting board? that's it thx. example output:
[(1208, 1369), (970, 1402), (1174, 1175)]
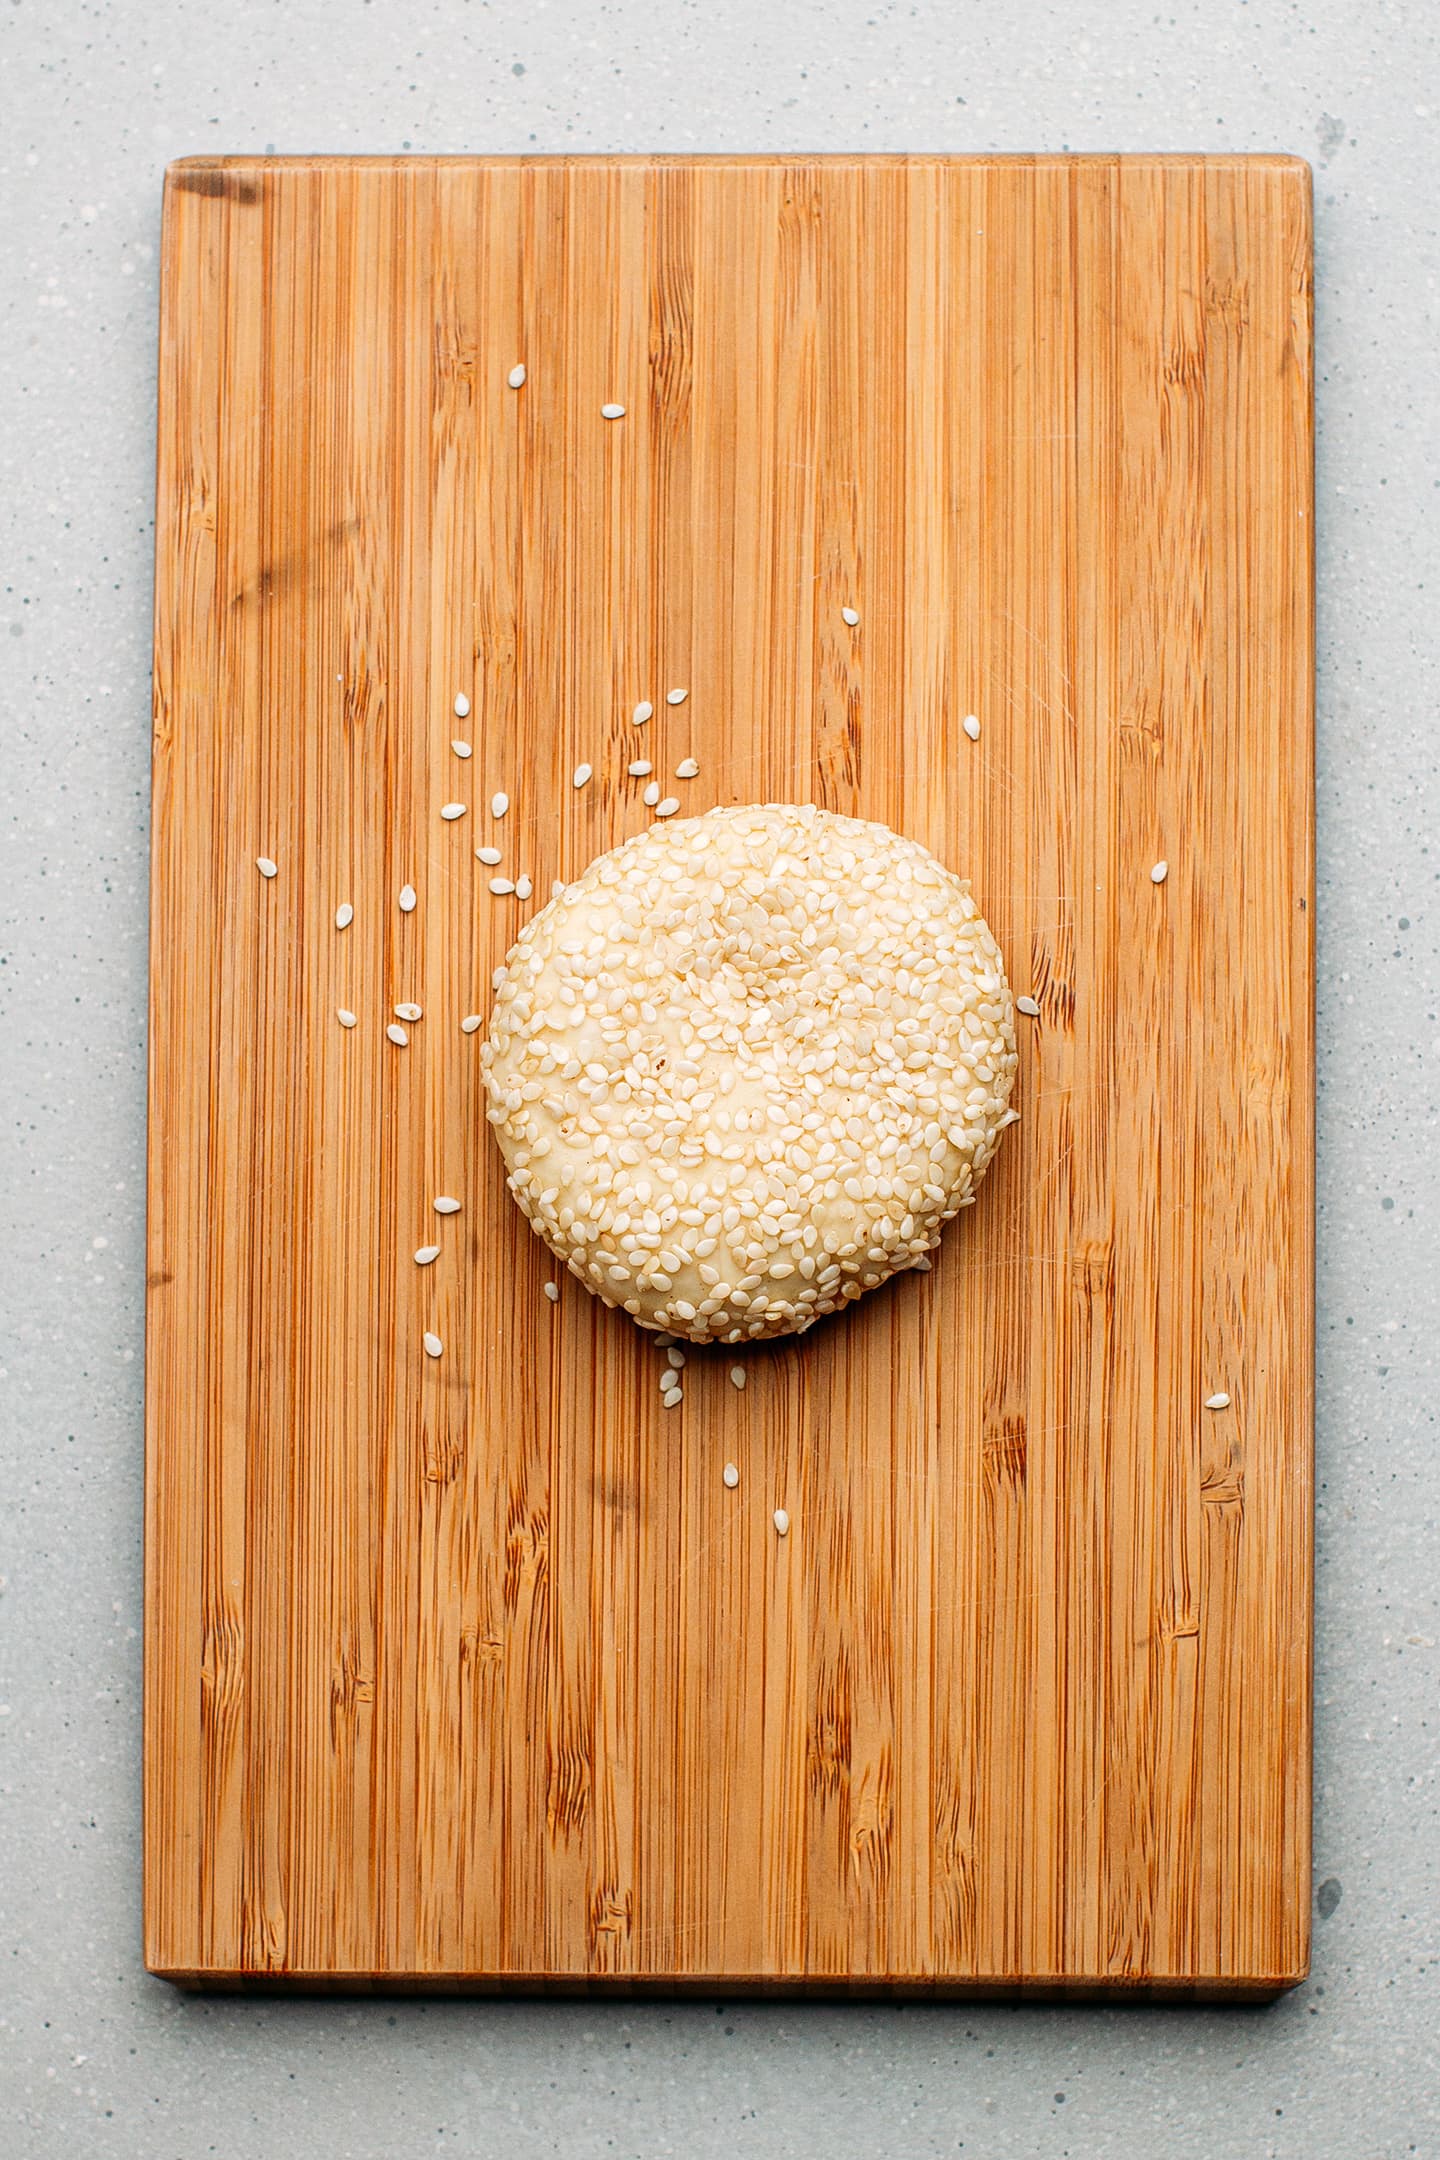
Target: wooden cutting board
[(471, 1671)]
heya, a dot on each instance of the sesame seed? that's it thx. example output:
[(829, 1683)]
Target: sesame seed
[(459, 746), (667, 808), (516, 375), (1028, 1005), (502, 885), (651, 795), (730, 1475), (686, 769), (444, 1205), (424, 1254), (581, 775), (639, 767), (462, 706), (344, 915), (266, 867), (499, 804), (557, 886), (346, 1019), (471, 1024), (451, 810), (552, 1291), (407, 899), (612, 412), (675, 1359), (433, 1345), (676, 1395), (1159, 872), (781, 1521), (524, 886), (487, 854), (738, 1376), (676, 697), (642, 712), (1218, 1401), (397, 1035), (407, 1012), (971, 726), (850, 615)]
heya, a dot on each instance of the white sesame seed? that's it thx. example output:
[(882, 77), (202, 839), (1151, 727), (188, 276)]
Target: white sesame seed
[(444, 1205), (471, 1024), (676, 697), (675, 1359), (581, 775), (424, 1254), (612, 412), (552, 1291), (667, 808), (557, 886), (346, 1019), (516, 375), (1159, 872), (1219, 1401), (730, 1475), (462, 706), (266, 868), (452, 810), (407, 899), (850, 615), (676, 1395), (686, 769), (524, 886), (502, 885), (1028, 1005), (460, 748), (639, 767), (397, 1035), (487, 854), (738, 1376), (971, 726), (344, 915), (407, 1012), (433, 1345), (781, 1521), (499, 804), (651, 795), (642, 712)]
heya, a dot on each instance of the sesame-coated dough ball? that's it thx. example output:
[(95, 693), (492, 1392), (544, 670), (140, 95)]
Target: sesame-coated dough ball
[(749, 1065)]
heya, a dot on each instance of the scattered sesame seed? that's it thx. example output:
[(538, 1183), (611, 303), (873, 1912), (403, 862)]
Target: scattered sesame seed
[(552, 1291), (667, 808), (668, 1381), (663, 1342), (524, 886), (462, 706), (782, 1521), (642, 712), (1159, 872), (266, 868), (675, 1359), (502, 884), (557, 886), (676, 697), (676, 1395), (581, 775), (850, 615), (344, 915), (424, 1254), (407, 1012), (487, 854), (730, 1475), (397, 1035), (687, 768), (639, 767), (346, 1019), (452, 810), (499, 804), (1218, 1401), (971, 726), (461, 749), (1028, 1005), (471, 1024), (738, 1376), (612, 412), (444, 1205), (407, 899), (516, 375), (651, 795), (433, 1345)]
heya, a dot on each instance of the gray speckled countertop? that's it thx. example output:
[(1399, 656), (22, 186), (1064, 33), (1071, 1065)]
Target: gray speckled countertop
[(95, 2057)]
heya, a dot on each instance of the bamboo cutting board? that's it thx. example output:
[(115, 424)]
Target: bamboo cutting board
[(470, 1671)]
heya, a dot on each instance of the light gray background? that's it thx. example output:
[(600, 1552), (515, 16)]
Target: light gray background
[(95, 2057)]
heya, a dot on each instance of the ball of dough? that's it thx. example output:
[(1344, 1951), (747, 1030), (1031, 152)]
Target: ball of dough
[(749, 1065)]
